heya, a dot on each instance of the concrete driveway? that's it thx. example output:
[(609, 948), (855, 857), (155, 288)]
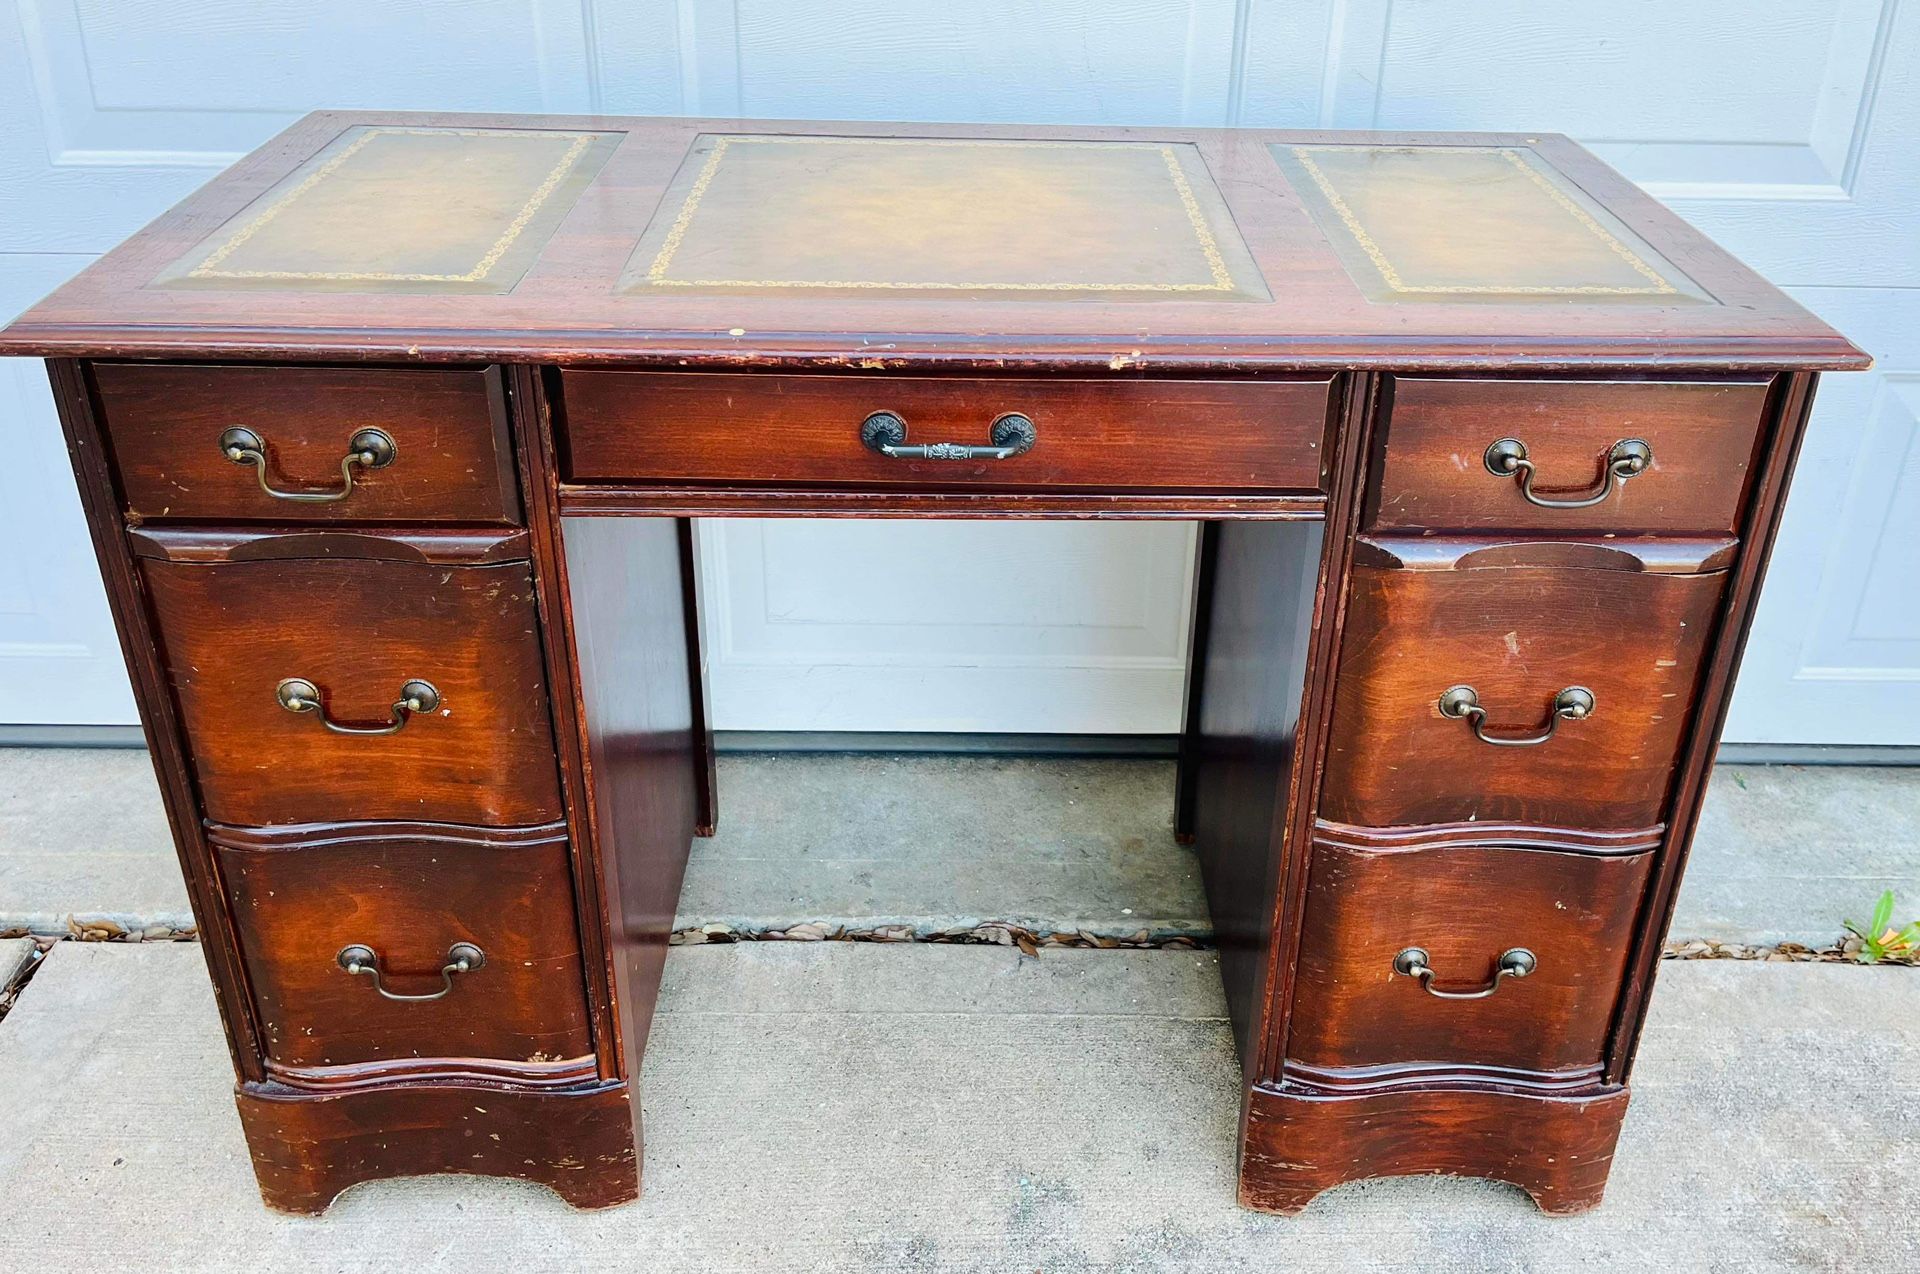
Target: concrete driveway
[(915, 1106)]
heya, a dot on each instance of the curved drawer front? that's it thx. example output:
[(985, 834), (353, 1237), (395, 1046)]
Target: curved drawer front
[(1461, 454), (358, 634), (1464, 907), (197, 442), (1121, 434), (400, 897), (1524, 642)]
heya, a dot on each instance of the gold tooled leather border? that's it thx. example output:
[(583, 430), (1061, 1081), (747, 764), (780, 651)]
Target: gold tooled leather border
[(208, 268), (1217, 268), (1394, 282)]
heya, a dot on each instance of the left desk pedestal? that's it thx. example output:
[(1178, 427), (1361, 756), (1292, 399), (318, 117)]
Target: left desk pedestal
[(344, 649)]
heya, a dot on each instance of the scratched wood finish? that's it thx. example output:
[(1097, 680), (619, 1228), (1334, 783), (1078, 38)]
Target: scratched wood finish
[(688, 501), (452, 462), (570, 306), (408, 892), (1575, 912), (1112, 433), (1518, 635), (1645, 598), (359, 630), (463, 546), (1557, 1147), (1433, 474), (581, 1142)]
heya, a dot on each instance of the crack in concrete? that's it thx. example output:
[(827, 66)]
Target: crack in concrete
[(94, 928), (10, 993), (999, 933), (1007, 934), (1845, 951), (989, 933)]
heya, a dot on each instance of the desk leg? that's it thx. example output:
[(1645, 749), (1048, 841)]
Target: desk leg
[(706, 780), (622, 634), (1186, 794), (582, 1142), (1299, 1142)]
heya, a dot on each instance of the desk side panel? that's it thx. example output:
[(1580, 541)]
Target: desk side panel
[(1251, 648), (87, 446), (643, 776)]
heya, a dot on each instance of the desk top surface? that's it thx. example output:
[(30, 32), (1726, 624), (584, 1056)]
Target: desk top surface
[(664, 241)]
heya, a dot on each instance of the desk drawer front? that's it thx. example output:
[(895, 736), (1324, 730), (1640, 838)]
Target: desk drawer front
[(445, 455), (1528, 642), (358, 634), (1361, 1002), (399, 898), (1134, 434), (1650, 456)]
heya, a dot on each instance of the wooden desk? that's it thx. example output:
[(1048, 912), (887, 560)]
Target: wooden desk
[(1489, 447)]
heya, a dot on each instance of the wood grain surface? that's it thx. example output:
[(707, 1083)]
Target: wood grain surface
[(1556, 1147), (1574, 912), (408, 891), (1518, 635), (1117, 433), (544, 809), (1433, 473), (569, 306), (579, 1142), (359, 630), (451, 458), (628, 598)]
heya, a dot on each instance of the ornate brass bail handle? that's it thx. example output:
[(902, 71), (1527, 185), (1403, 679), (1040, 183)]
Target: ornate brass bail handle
[(1507, 458), (1515, 962), (298, 695), (1011, 434), (361, 961), (368, 449), (1462, 703)]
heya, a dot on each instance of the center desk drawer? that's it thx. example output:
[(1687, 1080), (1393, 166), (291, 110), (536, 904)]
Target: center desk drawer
[(1133, 434), (290, 672)]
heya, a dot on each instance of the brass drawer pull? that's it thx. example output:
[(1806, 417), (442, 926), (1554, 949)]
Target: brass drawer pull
[(462, 957), (1012, 435), (297, 694), (1461, 703), (1516, 962), (1507, 458), (370, 448)]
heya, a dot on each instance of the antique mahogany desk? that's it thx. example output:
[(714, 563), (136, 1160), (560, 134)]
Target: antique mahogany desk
[(389, 439)]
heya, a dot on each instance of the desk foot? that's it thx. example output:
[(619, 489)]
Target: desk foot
[(1301, 1141), (582, 1143)]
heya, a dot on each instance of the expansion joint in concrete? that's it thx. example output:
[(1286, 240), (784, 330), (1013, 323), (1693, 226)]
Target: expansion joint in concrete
[(16, 981)]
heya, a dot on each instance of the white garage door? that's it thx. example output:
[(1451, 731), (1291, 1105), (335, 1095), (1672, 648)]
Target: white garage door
[(1785, 128)]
